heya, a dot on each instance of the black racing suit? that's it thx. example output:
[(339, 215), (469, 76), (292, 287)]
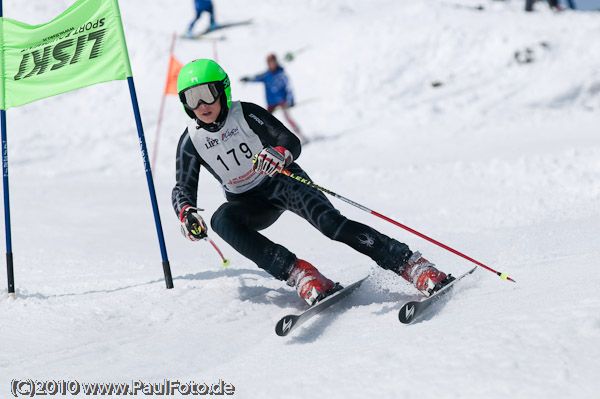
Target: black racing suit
[(239, 220)]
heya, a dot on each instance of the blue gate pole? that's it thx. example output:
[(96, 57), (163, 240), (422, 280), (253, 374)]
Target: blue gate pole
[(9, 256), (159, 230)]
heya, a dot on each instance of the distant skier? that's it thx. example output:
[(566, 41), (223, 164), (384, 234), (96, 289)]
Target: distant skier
[(552, 3), (244, 147), (278, 91), (202, 6)]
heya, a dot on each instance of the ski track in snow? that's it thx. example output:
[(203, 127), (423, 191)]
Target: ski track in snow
[(501, 161)]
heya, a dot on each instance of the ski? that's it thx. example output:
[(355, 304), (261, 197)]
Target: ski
[(217, 27), (411, 311), (290, 322)]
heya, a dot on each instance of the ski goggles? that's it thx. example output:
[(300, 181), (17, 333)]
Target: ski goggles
[(207, 93)]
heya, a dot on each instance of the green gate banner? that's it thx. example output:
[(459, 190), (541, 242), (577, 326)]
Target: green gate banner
[(83, 46)]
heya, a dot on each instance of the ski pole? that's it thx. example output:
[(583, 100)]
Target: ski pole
[(224, 261), (301, 179)]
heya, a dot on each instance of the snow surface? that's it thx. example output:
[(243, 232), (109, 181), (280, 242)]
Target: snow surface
[(501, 162)]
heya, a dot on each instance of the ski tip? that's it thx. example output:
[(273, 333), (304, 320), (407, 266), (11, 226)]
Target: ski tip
[(407, 312), (285, 325)]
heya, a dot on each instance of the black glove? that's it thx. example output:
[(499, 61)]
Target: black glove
[(192, 224), (245, 79)]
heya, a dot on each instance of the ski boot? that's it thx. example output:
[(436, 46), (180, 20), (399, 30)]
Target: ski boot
[(424, 276), (311, 285)]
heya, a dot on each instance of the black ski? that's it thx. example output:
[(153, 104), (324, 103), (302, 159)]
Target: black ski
[(414, 309), (289, 322)]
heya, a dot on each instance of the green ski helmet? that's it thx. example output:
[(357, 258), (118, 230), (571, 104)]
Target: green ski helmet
[(204, 72)]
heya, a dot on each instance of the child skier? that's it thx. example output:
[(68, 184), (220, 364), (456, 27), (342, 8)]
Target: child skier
[(244, 147), (278, 91)]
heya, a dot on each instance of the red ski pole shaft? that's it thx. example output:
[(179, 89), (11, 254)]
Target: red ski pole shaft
[(301, 179), (224, 260)]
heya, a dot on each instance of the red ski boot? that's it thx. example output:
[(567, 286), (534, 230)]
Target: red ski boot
[(423, 275), (310, 284)]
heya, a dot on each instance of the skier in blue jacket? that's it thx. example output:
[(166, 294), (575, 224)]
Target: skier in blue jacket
[(202, 6), (278, 91)]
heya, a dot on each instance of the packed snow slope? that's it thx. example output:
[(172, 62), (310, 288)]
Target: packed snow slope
[(424, 111)]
